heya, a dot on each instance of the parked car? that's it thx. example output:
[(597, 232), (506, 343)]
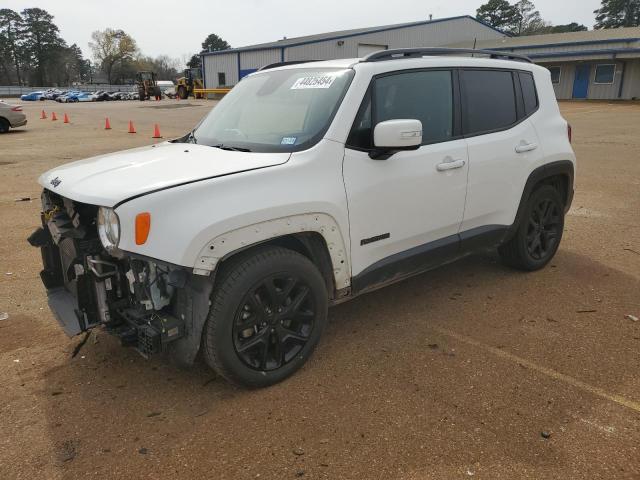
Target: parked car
[(307, 186), (52, 94), (79, 97), (31, 97), (100, 96), (11, 116), (65, 95)]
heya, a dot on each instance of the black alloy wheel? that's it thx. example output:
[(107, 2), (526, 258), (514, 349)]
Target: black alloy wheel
[(268, 311), (539, 232), (544, 229), (274, 322)]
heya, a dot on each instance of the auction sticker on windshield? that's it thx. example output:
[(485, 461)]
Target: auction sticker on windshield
[(316, 81)]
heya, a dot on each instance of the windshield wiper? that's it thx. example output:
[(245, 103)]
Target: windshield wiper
[(188, 138), (230, 148)]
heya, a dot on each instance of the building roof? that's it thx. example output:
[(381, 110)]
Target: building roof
[(295, 41), (617, 35)]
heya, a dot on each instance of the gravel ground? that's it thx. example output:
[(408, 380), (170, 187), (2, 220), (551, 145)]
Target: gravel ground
[(472, 370)]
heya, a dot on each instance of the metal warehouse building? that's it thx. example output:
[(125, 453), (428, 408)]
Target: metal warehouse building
[(227, 67), (599, 64)]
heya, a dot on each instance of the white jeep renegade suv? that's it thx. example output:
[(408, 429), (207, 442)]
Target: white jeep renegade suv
[(307, 185)]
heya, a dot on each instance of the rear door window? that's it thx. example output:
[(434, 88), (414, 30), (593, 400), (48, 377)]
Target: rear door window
[(489, 101)]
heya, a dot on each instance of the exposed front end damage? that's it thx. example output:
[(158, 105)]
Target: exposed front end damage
[(151, 306)]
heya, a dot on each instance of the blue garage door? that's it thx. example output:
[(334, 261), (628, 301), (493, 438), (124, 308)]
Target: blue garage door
[(248, 71), (581, 81)]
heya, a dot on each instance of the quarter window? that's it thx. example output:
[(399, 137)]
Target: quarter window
[(528, 93), (489, 99), (605, 73), (555, 74)]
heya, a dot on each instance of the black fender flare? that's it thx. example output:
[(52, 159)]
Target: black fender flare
[(562, 168)]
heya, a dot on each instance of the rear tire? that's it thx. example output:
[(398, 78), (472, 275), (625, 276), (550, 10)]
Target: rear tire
[(267, 314), (182, 93), (4, 125), (539, 234)]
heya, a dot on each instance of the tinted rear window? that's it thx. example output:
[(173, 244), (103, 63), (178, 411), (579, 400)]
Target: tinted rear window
[(529, 93), (490, 100)]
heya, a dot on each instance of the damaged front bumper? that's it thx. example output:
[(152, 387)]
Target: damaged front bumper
[(134, 299)]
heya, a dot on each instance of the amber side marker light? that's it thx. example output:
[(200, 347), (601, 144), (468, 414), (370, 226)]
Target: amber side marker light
[(143, 225)]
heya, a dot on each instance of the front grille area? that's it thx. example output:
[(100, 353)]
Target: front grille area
[(88, 287)]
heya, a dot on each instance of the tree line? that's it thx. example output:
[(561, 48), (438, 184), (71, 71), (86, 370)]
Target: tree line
[(32, 52), (117, 56), (522, 18)]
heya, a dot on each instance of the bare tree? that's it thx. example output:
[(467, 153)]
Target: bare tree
[(112, 47)]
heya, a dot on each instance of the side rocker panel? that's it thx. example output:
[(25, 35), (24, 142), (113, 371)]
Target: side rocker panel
[(228, 243)]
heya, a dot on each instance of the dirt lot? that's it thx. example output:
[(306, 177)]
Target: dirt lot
[(453, 374)]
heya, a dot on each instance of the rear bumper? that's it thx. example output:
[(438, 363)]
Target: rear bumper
[(19, 123)]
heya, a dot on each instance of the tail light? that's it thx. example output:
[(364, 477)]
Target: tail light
[(569, 132), (16, 109)]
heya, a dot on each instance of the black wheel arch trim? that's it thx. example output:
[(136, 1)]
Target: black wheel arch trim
[(559, 168)]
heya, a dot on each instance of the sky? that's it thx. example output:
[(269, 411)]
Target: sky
[(177, 28)]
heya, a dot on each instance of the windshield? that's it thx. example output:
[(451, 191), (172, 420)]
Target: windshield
[(277, 111)]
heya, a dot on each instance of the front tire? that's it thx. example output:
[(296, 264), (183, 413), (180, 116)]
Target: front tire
[(540, 231), (268, 311)]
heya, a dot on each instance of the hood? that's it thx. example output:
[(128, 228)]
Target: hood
[(109, 179)]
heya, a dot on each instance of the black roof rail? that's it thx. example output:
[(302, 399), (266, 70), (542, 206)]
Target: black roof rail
[(284, 64), (398, 53)]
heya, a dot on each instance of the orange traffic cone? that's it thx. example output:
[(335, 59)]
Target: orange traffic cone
[(53, 116), (66, 119), (107, 125), (43, 115), (156, 131), (131, 129)]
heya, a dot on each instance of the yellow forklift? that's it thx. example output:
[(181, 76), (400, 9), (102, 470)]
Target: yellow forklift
[(191, 79)]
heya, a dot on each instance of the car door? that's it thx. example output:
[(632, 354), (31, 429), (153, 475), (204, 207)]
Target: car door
[(405, 211), (503, 145)]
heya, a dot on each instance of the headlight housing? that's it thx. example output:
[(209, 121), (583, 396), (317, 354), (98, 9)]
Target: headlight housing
[(108, 228)]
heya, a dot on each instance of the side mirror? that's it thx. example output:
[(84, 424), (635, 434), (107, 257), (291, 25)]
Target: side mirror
[(395, 135)]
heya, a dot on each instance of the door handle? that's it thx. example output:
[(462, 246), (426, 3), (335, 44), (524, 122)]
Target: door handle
[(450, 165), (526, 147)]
